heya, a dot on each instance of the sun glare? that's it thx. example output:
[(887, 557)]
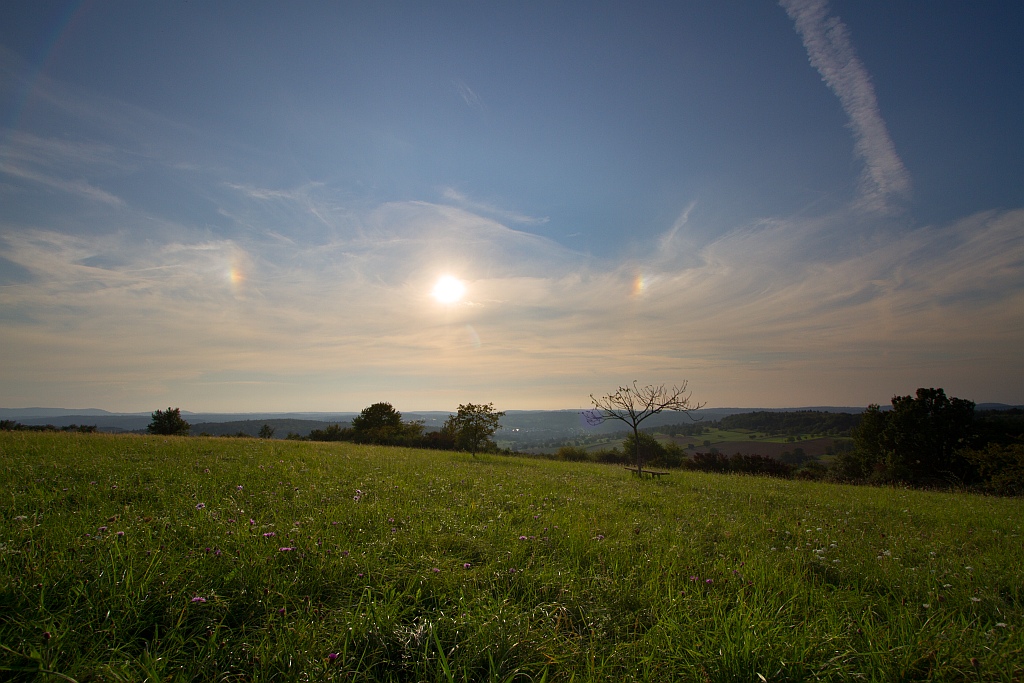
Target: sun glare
[(448, 289)]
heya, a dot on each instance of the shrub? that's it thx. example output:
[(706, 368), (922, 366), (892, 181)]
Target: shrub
[(1001, 467), (572, 454)]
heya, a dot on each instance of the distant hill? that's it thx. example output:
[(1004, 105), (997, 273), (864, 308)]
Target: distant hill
[(17, 413), (520, 428)]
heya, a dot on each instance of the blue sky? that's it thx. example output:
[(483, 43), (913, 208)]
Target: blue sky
[(244, 206)]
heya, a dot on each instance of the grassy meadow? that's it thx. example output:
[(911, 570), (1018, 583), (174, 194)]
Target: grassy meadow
[(130, 558)]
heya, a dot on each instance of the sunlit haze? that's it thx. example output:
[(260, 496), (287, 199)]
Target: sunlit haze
[(253, 206)]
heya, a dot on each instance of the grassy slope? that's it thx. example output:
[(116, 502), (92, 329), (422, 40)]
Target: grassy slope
[(450, 568)]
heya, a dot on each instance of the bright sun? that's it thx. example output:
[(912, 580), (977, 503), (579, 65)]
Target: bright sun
[(448, 289)]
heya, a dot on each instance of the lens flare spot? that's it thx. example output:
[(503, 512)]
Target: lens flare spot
[(448, 290), (639, 285)]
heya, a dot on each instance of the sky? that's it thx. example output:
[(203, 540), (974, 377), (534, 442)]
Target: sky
[(248, 206)]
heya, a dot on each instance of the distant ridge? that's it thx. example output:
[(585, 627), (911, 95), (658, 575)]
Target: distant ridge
[(10, 413)]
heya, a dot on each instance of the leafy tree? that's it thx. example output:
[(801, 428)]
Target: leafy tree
[(924, 433), (472, 427), (168, 422), (919, 440), (634, 404), (867, 459), (379, 416), (382, 424), (267, 432)]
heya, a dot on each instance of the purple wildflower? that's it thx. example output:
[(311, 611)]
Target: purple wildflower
[(269, 534), (285, 549), (466, 565), (120, 533), (200, 506), (332, 657), (103, 528), (198, 599)]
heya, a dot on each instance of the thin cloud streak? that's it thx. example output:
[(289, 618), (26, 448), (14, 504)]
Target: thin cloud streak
[(468, 96), (830, 51), (76, 187), (465, 202)]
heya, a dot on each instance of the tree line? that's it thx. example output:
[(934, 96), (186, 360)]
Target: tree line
[(13, 426), (930, 439), (470, 428)]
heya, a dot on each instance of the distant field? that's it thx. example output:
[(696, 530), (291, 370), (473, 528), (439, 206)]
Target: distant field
[(129, 558)]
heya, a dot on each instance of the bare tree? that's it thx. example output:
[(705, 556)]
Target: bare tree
[(634, 404)]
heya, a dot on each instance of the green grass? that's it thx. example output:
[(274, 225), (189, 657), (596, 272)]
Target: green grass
[(449, 568)]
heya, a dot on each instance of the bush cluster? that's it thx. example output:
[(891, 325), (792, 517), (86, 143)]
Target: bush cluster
[(12, 426)]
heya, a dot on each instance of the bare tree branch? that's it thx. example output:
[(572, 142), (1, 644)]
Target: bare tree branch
[(634, 404)]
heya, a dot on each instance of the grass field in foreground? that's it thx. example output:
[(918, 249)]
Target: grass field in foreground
[(198, 559)]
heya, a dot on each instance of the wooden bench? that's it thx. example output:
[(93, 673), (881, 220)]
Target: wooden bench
[(652, 473)]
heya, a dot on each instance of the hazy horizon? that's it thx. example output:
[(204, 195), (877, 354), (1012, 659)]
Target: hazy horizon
[(412, 411), (246, 206)]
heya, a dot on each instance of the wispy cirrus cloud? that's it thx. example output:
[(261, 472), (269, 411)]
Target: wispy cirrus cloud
[(76, 187), (468, 95), (747, 312), (460, 199), (831, 52)]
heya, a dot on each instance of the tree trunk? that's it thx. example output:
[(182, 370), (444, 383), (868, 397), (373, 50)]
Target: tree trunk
[(636, 452)]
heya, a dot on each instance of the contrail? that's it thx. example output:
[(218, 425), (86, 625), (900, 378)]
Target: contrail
[(829, 50)]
